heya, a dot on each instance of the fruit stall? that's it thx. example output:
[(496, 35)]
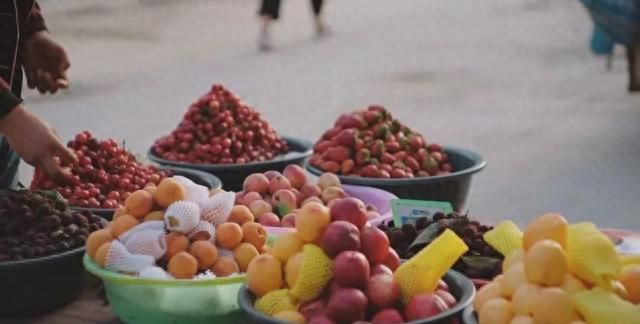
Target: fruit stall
[(231, 222)]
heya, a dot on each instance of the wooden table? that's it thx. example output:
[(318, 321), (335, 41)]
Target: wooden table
[(89, 308)]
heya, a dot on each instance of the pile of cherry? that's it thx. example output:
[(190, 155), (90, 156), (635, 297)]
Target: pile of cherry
[(103, 178), (371, 143), (221, 129)]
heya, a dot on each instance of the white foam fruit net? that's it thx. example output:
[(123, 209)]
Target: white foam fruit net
[(216, 209), (195, 192), (182, 216), (120, 260), (154, 273), (150, 225), (203, 231), (148, 242)]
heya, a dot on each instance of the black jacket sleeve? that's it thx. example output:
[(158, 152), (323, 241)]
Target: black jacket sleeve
[(7, 100)]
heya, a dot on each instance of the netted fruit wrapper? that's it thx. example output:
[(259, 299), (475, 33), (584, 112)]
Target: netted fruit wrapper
[(504, 238), (315, 274), (276, 301), (148, 242), (422, 272), (204, 231), (592, 256), (120, 260), (150, 225), (154, 273), (182, 216), (195, 192), (598, 306), (216, 209)]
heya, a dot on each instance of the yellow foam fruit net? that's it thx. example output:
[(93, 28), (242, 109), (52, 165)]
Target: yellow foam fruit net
[(598, 306), (592, 256), (422, 272), (316, 272), (629, 260), (276, 301), (504, 238)]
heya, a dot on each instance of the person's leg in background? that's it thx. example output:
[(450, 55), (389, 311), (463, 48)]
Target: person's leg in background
[(317, 14), (269, 11), (9, 162)]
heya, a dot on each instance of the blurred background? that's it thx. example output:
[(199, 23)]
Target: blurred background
[(512, 79)]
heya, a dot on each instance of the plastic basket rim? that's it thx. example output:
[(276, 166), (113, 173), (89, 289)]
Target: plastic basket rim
[(282, 158), (119, 278), (479, 164)]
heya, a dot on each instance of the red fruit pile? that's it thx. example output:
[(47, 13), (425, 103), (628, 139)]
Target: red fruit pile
[(104, 177), (220, 128), (371, 143)]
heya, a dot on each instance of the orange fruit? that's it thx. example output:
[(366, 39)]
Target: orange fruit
[(205, 252), (224, 267), (524, 297), (123, 224), (176, 243), (183, 266), (553, 305), (139, 203), (312, 220), (522, 319), (496, 311), (254, 234), (292, 269), (228, 235), (168, 192), (152, 190), (96, 240), (243, 254), (240, 215), (545, 263), (286, 246), (101, 254), (290, 317), (551, 226), (572, 285), (513, 279), (157, 215), (119, 212), (264, 274), (486, 293), (511, 259), (630, 278)]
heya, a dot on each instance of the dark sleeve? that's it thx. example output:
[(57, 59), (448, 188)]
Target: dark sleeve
[(35, 22), (7, 100)]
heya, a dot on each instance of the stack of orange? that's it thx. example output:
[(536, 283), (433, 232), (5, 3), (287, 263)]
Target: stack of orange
[(185, 257)]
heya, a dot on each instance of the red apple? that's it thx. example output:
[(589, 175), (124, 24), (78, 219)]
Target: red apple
[(257, 182), (312, 199), (259, 208), (351, 210), (392, 261), (250, 197), (269, 219), (424, 306), (351, 269), (447, 298), (387, 316), (340, 236), (272, 174), (310, 190), (380, 269), (382, 290), (313, 308), (321, 319), (283, 201), (277, 183), (296, 175), (298, 194), (347, 305), (328, 180), (375, 244), (289, 220)]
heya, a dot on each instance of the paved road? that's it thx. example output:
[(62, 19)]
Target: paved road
[(510, 79)]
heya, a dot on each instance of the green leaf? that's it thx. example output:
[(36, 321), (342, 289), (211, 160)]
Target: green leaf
[(478, 263), (427, 235)]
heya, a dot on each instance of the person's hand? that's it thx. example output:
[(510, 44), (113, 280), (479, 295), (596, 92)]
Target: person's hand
[(36, 142), (45, 63)]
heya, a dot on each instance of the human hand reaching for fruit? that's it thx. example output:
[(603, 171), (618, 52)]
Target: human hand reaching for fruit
[(46, 63), (36, 142)]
